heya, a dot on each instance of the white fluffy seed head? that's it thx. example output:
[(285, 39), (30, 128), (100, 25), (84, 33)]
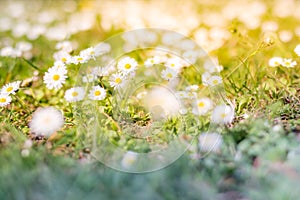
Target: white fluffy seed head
[(46, 121)]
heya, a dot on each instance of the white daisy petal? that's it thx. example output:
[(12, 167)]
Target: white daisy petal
[(97, 93), (11, 88), (117, 81), (4, 100), (222, 114), (297, 50), (169, 74), (202, 106), (152, 61), (275, 61), (175, 64), (214, 80), (55, 77), (288, 63), (75, 94), (127, 65)]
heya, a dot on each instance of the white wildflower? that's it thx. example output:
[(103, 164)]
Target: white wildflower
[(46, 121), (97, 93), (202, 106), (222, 114), (75, 94)]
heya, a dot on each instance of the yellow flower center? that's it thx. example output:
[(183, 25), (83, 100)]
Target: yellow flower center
[(118, 80), (64, 60), (215, 82), (152, 61), (74, 94), (173, 65), (97, 93), (2, 100), (223, 115), (79, 59), (169, 75), (56, 77), (201, 104), (9, 89), (127, 66)]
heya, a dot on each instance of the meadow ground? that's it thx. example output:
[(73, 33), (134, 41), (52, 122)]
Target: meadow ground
[(56, 82)]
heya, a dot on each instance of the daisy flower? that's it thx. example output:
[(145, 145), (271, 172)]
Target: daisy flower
[(10, 52), (117, 80), (4, 100), (88, 53), (161, 103), (169, 74), (59, 64), (127, 65), (129, 159), (65, 46), (97, 93), (89, 78), (297, 50), (174, 64), (191, 95), (46, 121), (11, 88), (210, 142), (191, 56), (192, 88), (55, 77), (25, 153), (24, 46), (181, 94), (74, 94), (62, 56), (275, 61), (205, 78), (202, 106), (102, 71), (215, 80), (152, 61), (288, 63), (183, 111), (79, 59), (222, 114)]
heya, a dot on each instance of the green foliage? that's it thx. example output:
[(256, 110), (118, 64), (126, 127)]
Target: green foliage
[(259, 158)]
